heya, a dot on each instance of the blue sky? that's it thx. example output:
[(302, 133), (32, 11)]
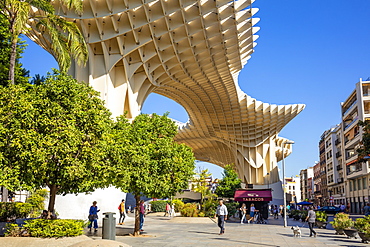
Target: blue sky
[(309, 52)]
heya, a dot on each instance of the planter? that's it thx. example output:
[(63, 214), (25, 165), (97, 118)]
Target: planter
[(364, 238), (339, 232), (296, 217), (351, 233), (321, 224), (2, 228)]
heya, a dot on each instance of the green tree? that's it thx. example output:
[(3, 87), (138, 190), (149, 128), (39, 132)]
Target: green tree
[(66, 40), (229, 183), (201, 185), (20, 74), (364, 149), (53, 135), (147, 161)]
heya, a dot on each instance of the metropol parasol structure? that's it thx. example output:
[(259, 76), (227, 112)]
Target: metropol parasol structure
[(190, 51)]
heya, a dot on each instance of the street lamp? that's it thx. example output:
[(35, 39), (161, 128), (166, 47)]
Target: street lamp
[(283, 164)]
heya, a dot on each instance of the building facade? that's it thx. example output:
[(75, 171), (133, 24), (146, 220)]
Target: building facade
[(306, 183), (339, 177)]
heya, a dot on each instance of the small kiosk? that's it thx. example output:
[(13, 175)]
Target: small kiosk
[(259, 197)]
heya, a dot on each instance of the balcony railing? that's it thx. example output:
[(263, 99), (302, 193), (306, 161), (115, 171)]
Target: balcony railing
[(339, 167), (340, 180), (338, 154), (348, 125), (338, 141), (349, 108)]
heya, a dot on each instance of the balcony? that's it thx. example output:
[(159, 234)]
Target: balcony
[(349, 108), (352, 122), (340, 180), (338, 141), (338, 154), (339, 167)]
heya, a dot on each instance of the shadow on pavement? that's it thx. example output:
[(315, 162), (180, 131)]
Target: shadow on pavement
[(211, 233)]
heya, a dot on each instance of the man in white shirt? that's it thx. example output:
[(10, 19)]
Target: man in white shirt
[(221, 213)]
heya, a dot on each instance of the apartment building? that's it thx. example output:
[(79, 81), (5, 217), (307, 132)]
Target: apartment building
[(306, 183), (293, 188), (356, 174), (317, 200), (339, 178)]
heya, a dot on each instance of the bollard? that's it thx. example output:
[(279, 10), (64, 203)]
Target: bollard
[(109, 226)]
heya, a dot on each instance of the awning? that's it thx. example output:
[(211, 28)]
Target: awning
[(253, 195), (350, 163)]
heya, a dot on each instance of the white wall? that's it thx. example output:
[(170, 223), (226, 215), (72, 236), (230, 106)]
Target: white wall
[(77, 207)]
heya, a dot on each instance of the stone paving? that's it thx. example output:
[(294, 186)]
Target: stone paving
[(181, 231)]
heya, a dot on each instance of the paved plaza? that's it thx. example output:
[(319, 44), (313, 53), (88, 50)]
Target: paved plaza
[(181, 231)]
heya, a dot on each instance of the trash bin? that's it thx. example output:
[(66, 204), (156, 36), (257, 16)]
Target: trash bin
[(109, 226)]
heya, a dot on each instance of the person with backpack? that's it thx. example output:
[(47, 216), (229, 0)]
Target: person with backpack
[(121, 209)]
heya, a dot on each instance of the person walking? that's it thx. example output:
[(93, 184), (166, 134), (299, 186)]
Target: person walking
[(276, 212), (93, 216), (243, 212), (311, 217), (122, 215), (367, 209), (221, 213), (168, 209), (252, 211), (142, 215)]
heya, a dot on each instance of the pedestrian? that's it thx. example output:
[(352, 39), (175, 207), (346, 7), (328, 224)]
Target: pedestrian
[(342, 207), (121, 209), (367, 209), (172, 210), (252, 211), (168, 208), (243, 212), (93, 216), (311, 218), (221, 213), (276, 212), (142, 215)]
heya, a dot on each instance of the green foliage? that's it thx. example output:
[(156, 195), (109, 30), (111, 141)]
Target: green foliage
[(201, 185), (294, 212), (321, 216), (66, 39), (37, 200), (48, 228), (229, 183), (178, 204), (189, 210), (303, 214), (54, 135), (13, 210), (363, 225), (210, 207), (158, 206), (201, 214), (21, 75), (145, 158), (364, 150), (232, 207), (342, 221)]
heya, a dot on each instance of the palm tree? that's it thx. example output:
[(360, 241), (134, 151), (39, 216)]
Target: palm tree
[(66, 40)]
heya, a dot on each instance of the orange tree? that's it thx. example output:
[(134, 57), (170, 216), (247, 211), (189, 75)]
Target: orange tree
[(53, 134), (145, 159)]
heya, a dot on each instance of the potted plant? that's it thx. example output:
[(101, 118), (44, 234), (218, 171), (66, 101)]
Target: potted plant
[(341, 222), (303, 214), (362, 225), (321, 219)]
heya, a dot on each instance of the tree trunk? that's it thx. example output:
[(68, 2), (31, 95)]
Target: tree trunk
[(53, 194), (12, 60), (137, 215)]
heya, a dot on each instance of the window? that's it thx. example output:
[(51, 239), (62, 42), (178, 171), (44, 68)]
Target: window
[(359, 184), (364, 185), (354, 185), (350, 185), (294, 186)]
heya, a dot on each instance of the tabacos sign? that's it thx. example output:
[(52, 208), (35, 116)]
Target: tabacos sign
[(255, 199)]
